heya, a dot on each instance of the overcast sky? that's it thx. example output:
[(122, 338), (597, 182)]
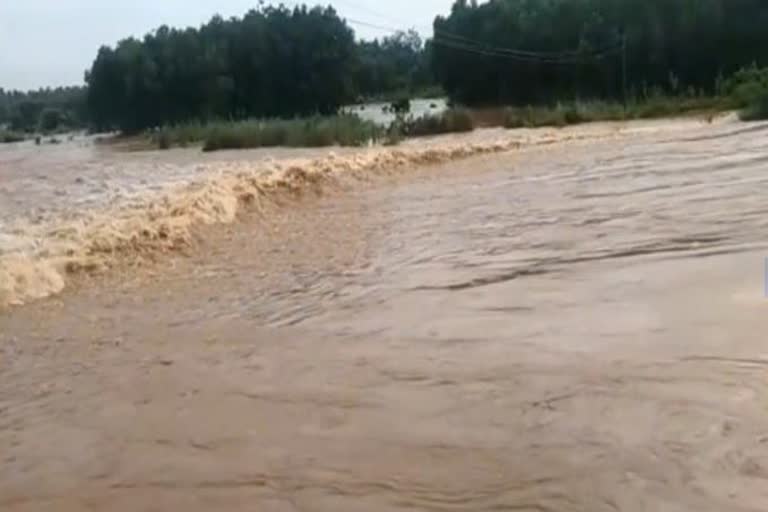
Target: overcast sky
[(52, 42)]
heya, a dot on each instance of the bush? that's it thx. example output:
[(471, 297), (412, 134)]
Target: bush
[(748, 91), (572, 115), (745, 86), (757, 110)]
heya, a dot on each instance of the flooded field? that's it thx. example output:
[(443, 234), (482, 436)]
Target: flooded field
[(380, 113), (544, 320)]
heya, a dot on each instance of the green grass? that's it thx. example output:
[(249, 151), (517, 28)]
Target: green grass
[(7, 136), (342, 130), (670, 106), (350, 130), (564, 114), (451, 121)]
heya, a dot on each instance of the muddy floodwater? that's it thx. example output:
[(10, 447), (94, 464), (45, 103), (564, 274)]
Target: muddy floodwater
[(534, 321)]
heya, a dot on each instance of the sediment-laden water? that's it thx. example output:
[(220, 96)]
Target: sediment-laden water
[(555, 320)]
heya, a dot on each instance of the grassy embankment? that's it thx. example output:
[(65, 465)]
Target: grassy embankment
[(349, 130), (746, 91), (342, 130), (565, 114)]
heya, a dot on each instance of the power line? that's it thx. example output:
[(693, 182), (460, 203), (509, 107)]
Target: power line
[(476, 47), (370, 11), (373, 25), (466, 44), (561, 58), (499, 53), (449, 35), (470, 45)]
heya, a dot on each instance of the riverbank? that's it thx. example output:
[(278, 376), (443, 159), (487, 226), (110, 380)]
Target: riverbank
[(360, 127)]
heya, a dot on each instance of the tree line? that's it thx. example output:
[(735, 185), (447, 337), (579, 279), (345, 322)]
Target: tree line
[(287, 62), (43, 110), (399, 64), (272, 62), (534, 51)]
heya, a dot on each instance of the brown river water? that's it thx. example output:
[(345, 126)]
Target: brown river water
[(545, 320)]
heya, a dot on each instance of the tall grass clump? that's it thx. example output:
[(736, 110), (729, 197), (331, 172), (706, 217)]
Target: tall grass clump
[(7, 137), (564, 114), (454, 120), (533, 117), (342, 130), (748, 90), (670, 106)]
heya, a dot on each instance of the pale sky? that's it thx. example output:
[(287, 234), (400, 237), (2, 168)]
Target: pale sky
[(53, 42)]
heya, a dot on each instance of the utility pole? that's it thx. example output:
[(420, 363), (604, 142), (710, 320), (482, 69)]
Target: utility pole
[(624, 66)]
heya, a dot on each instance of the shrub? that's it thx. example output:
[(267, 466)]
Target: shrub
[(746, 85), (757, 109), (583, 112), (572, 115)]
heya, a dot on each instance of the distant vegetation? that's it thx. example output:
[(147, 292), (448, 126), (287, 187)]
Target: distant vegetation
[(44, 110), (571, 50), (273, 62), (533, 62), (7, 136), (749, 90), (570, 113), (557, 56), (394, 67), (341, 130)]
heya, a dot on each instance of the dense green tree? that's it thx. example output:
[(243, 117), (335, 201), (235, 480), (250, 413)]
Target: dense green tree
[(22, 110), (533, 51), (274, 61), (51, 119), (395, 64)]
